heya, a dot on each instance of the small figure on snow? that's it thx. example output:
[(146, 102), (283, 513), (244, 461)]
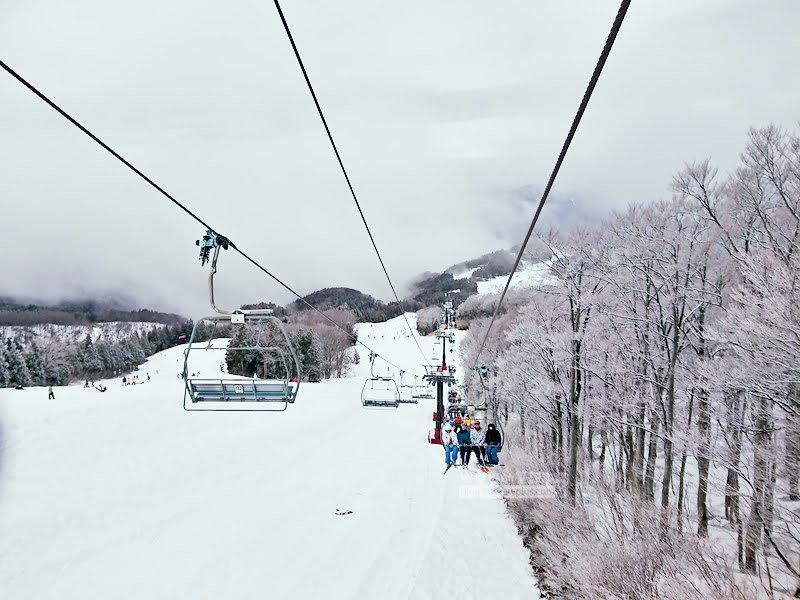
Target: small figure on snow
[(50, 395), (493, 442), (86, 385), (450, 443), (124, 381)]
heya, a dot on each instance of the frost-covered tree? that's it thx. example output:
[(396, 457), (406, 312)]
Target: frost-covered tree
[(34, 359), (18, 370), (5, 374), (90, 359)]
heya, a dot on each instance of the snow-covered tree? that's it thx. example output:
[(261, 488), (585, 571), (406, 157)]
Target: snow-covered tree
[(18, 370)]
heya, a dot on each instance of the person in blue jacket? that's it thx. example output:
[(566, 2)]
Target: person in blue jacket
[(463, 443)]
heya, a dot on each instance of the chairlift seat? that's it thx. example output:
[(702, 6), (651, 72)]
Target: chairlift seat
[(240, 390), (408, 398), (382, 403), (380, 392)]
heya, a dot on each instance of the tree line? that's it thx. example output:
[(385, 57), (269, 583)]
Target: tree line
[(60, 363), (655, 382), (17, 314)]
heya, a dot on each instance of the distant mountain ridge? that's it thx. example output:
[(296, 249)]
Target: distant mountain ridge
[(456, 283), (365, 307), (15, 313)]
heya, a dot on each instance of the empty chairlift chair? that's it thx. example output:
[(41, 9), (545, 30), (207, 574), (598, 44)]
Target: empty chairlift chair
[(379, 392), (407, 392), (272, 386)]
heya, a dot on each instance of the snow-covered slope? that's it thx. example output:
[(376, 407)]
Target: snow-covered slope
[(122, 494), (527, 276)]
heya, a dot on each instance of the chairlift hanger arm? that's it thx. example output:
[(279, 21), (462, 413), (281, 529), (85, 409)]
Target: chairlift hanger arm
[(215, 241)]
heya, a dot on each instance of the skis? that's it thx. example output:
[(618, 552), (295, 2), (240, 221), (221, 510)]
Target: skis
[(484, 468)]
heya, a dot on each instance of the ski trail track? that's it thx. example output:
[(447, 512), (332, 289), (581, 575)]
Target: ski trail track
[(125, 495)]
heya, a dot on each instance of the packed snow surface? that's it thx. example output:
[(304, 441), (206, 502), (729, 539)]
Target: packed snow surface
[(123, 494)]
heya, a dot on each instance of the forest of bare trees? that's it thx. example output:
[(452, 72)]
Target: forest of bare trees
[(655, 385)]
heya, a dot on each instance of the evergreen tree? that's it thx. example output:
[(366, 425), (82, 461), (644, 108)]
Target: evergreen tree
[(56, 367), (5, 374), (34, 360), (306, 346), (137, 351), (19, 374), (90, 359)]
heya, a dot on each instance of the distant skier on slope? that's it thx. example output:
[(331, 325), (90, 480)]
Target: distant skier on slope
[(50, 394), (450, 443)]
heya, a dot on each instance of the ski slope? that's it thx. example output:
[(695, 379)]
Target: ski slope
[(529, 275), (123, 495)]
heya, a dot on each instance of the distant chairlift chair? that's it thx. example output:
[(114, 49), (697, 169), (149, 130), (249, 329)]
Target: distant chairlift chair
[(379, 392), (407, 392), (229, 392)]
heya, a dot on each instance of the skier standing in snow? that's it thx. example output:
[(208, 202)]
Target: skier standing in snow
[(493, 441), (450, 443), (50, 394), (478, 439), (463, 443)]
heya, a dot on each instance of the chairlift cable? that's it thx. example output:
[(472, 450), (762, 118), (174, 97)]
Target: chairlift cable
[(169, 196), (612, 35), (344, 172), (113, 152)]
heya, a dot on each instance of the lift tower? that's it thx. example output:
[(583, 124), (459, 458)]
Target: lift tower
[(439, 375)]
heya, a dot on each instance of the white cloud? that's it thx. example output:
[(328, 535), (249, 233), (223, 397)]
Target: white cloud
[(442, 111)]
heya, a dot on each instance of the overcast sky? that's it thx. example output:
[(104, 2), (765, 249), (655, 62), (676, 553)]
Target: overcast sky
[(449, 115)]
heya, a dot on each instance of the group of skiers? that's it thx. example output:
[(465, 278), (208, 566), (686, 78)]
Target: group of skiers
[(461, 438), (133, 380)]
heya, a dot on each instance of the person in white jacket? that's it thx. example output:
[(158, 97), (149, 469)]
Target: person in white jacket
[(477, 437), (450, 443)]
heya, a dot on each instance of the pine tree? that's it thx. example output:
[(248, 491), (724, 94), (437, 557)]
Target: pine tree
[(5, 374), (56, 365), (16, 364), (137, 351), (306, 346), (34, 360), (92, 363)]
